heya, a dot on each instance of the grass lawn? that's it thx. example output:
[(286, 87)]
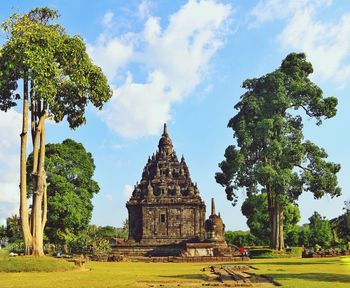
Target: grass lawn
[(306, 273), (31, 264), (288, 272)]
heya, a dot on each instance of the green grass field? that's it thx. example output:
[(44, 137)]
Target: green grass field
[(303, 273)]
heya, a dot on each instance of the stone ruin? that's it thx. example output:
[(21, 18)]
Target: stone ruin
[(167, 215)]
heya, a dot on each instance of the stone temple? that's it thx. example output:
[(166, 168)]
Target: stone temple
[(166, 207), (166, 213)]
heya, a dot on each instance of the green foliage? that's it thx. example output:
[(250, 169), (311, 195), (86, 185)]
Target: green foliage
[(270, 137), (3, 235), (320, 231), (70, 169), (271, 155), (255, 208), (271, 253), (239, 238), (341, 227), (94, 240), (295, 251), (108, 232), (16, 247), (265, 253), (61, 73), (13, 229)]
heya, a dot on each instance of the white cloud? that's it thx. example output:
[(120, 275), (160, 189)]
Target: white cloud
[(326, 44), (109, 197), (267, 10), (110, 54), (10, 123), (144, 9), (127, 191), (176, 59)]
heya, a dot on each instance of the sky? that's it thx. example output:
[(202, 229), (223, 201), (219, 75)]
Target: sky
[(183, 63)]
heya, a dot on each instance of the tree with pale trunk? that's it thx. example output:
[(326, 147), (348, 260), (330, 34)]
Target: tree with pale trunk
[(271, 155), (58, 81)]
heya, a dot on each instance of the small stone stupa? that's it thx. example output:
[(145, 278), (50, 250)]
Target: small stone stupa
[(214, 226)]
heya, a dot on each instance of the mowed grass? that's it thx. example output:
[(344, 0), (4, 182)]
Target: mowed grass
[(306, 273), (32, 264), (330, 272)]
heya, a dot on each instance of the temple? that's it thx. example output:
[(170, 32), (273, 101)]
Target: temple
[(167, 215), (166, 207)]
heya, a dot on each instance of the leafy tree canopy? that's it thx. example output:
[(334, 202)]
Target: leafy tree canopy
[(341, 226), (70, 169), (320, 230), (61, 73)]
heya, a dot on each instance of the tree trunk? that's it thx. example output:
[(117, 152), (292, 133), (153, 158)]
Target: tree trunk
[(39, 193), (23, 211), (277, 228), (276, 221)]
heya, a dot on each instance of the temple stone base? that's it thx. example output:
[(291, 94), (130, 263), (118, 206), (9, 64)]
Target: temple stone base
[(200, 249)]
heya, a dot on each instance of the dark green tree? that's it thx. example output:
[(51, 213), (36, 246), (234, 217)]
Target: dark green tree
[(320, 230), (271, 155), (255, 208), (13, 228), (341, 226), (240, 238), (70, 190), (59, 81)]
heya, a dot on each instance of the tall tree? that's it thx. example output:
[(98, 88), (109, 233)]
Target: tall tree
[(271, 155), (255, 208), (59, 81), (70, 190)]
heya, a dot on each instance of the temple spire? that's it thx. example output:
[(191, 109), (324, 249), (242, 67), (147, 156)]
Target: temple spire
[(165, 145), (213, 210), (165, 130)]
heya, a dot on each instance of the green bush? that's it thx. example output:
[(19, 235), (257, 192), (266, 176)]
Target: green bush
[(270, 253), (16, 247), (295, 251), (239, 238), (263, 253)]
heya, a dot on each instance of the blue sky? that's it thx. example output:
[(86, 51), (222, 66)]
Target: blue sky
[(183, 62)]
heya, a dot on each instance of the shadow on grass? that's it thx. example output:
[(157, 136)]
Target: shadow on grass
[(325, 277), (186, 276)]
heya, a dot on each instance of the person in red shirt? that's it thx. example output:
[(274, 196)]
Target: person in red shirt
[(242, 251)]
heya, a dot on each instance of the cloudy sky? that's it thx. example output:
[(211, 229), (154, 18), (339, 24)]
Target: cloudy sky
[(183, 62)]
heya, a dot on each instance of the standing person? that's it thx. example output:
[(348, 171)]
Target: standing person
[(242, 250)]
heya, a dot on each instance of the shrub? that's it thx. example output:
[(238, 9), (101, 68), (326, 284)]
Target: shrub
[(239, 238), (295, 251), (270, 253)]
